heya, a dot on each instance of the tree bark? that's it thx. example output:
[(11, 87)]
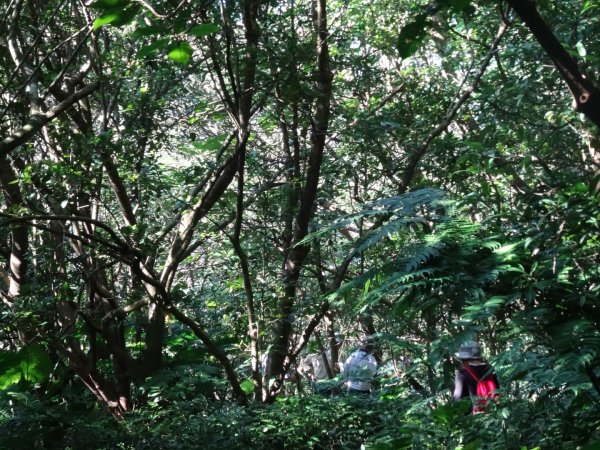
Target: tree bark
[(19, 234), (297, 253), (253, 330)]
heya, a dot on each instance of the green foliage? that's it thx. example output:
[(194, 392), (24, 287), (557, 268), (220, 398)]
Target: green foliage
[(403, 420), (415, 33), (114, 12), (10, 368), (32, 421), (180, 53), (153, 47), (203, 29), (412, 36), (31, 364), (399, 212)]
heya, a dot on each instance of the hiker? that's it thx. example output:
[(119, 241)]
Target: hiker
[(359, 369), (318, 368), (315, 366), (475, 378)]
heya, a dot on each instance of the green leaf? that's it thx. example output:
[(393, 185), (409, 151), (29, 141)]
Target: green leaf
[(214, 143), (411, 37), (505, 249), (153, 47), (247, 386), (105, 4), (126, 16), (181, 53), (126, 230), (149, 31), (191, 355), (473, 445), (390, 124), (10, 369), (589, 5), (459, 5), (390, 443), (31, 363), (35, 363), (449, 412), (105, 19), (117, 15), (203, 29)]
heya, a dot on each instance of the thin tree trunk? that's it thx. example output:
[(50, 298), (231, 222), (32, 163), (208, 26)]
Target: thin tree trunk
[(243, 258), (19, 244), (594, 154), (19, 234)]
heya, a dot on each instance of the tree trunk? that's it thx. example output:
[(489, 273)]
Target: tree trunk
[(297, 253), (19, 239)]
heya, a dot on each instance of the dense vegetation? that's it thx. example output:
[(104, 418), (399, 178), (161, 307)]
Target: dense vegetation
[(195, 195)]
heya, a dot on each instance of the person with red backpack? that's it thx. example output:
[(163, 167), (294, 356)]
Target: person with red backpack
[(475, 378)]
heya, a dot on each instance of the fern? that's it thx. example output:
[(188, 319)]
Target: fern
[(481, 311), (425, 254), (398, 212), (385, 231), (5, 416)]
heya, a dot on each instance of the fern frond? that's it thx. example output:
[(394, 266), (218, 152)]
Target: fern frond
[(401, 211), (387, 230), (424, 255)]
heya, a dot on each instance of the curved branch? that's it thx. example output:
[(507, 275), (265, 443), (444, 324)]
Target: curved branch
[(37, 121), (212, 348), (120, 244)]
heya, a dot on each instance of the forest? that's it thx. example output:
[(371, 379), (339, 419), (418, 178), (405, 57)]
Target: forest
[(199, 196)]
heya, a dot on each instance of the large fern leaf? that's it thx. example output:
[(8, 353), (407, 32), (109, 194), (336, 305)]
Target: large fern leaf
[(400, 211)]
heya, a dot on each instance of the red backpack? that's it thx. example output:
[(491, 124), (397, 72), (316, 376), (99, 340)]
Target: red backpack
[(486, 390)]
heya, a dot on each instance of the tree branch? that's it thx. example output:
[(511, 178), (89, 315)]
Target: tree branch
[(37, 121), (586, 94)]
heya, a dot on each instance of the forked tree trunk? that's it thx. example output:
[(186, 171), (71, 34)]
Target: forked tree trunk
[(296, 256)]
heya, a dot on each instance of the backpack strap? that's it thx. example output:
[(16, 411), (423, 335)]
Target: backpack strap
[(471, 372)]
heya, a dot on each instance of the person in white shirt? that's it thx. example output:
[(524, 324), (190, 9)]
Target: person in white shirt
[(314, 369), (313, 366), (359, 370)]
